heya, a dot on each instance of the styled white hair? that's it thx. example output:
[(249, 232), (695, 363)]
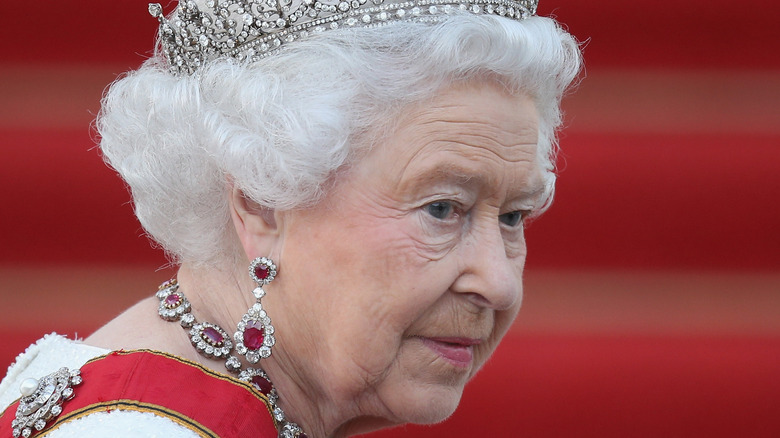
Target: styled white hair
[(281, 127)]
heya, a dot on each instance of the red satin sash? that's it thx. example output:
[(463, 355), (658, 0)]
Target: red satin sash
[(208, 403)]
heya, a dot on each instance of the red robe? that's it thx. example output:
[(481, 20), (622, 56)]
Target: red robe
[(208, 403)]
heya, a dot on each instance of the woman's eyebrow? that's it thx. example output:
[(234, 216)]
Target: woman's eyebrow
[(443, 172), (451, 173)]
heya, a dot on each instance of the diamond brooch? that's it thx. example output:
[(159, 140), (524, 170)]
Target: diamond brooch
[(42, 401)]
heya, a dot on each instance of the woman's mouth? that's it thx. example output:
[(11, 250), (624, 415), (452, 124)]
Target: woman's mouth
[(457, 351)]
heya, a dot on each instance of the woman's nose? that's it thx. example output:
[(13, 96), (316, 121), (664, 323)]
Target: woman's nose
[(490, 274)]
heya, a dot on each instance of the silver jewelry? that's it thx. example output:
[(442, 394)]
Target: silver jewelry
[(204, 30), (210, 340), (254, 333), (42, 401), (213, 342)]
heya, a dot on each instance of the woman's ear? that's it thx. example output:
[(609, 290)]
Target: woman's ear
[(256, 226)]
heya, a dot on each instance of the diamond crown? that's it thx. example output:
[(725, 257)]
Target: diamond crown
[(252, 29)]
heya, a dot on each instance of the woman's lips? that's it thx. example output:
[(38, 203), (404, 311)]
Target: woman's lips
[(457, 351)]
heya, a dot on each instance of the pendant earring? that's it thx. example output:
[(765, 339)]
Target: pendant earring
[(254, 333)]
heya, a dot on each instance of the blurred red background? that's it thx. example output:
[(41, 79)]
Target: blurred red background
[(653, 289)]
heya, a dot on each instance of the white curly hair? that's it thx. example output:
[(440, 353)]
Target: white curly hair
[(282, 127)]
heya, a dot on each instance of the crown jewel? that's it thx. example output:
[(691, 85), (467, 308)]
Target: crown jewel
[(252, 29)]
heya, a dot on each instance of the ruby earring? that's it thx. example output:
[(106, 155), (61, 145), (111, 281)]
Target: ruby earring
[(254, 339), (254, 335)]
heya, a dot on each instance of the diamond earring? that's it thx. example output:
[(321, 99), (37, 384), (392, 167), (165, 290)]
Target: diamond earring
[(254, 333)]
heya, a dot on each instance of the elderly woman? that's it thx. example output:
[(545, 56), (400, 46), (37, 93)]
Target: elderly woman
[(371, 163)]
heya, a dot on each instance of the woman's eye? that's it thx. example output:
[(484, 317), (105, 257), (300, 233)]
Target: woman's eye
[(512, 218), (439, 210)]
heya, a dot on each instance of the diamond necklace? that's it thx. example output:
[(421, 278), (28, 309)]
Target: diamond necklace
[(213, 342)]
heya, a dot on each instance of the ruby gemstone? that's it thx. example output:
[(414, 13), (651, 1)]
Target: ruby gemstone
[(172, 300), (254, 334), (262, 384), (261, 271), (213, 337)]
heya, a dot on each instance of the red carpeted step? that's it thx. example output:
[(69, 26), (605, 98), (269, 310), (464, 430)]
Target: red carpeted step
[(62, 204), (703, 201), (612, 386), (689, 34), (678, 201)]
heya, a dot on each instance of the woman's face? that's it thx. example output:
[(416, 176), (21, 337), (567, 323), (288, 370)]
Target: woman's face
[(397, 287)]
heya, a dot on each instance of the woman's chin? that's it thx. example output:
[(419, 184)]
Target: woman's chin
[(425, 405), (433, 413)]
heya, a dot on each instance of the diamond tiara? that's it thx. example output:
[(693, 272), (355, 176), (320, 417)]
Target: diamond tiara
[(253, 29)]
